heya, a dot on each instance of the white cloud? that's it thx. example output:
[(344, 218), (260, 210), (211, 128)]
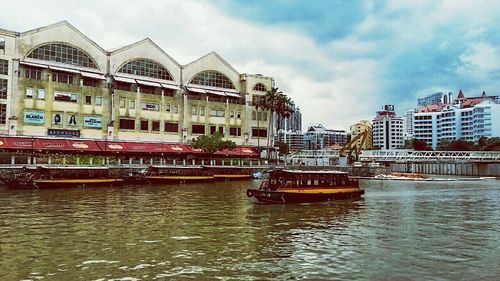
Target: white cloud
[(481, 57)]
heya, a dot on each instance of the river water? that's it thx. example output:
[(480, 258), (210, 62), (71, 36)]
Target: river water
[(399, 231)]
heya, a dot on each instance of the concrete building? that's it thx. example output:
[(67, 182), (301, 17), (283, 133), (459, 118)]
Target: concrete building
[(388, 129), (294, 140), (436, 98), (408, 117), (318, 137), (360, 127), (55, 81), (462, 118)]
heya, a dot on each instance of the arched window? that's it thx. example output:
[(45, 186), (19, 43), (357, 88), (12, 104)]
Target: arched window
[(259, 87), (63, 53), (213, 79), (147, 68)]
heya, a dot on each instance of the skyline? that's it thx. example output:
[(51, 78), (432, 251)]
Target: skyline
[(340, 62)]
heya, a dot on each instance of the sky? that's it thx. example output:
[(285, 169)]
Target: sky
[(340, 61)]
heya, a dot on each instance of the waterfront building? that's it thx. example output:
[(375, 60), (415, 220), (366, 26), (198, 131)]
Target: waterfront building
[(462, 118), (408, 123), (318, 137), (387, 129), (294, 140), (360, 127), (436, 98), (57, 82)]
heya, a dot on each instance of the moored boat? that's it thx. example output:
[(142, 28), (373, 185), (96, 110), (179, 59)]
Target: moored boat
[(62, 177), (178, 174), (296, 186), (230, 172)]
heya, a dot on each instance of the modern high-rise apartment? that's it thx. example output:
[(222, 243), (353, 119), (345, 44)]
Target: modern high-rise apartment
[(57, 82), (319, 137), (360, 127), (408, 123), (461, 118), (387, 129)]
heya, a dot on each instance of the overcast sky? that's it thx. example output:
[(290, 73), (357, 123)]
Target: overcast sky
[(340, 61)]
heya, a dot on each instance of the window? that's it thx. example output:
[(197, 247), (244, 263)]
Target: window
[(198, 129), (238, 114), (231, 114), (212, 79), (2, 43), (122, 103), (171, 127), (147, 89), (221, 130), (167, 107), (254, 115), (259, 87), (175, 109), (88, 99), (62, 77), (213, 129), (3, 113), (131, 104), (235, 131), (63, 53), (41, 94), (98, 100), (3, 89), (4, 67), (217, 112), (29, 93), (156, 126), (33, 73), (73, 98), (144, 125), (127, 124), (91, 82), (202, 111), (256, 132), (145, 67), (123, 86), (194, 110)]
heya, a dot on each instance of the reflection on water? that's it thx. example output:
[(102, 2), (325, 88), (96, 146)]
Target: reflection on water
[(212, 231)]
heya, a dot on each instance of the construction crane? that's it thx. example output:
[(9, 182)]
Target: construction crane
[(352, 146)]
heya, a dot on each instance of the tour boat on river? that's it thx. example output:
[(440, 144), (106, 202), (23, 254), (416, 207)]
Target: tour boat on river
[(230, 172), (62, 176), (177, 174), (296, 186)]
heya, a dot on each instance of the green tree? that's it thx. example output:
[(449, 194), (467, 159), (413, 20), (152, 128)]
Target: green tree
[(492, 144), (420, 145), (212, 143)]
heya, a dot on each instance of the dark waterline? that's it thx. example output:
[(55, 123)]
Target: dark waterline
[(399, 231)]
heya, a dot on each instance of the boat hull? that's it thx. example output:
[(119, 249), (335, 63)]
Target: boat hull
[(65, 183), (178, 179), (280, 197), (232, 177)]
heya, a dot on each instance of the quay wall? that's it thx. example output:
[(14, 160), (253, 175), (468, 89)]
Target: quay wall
[(454, 169)]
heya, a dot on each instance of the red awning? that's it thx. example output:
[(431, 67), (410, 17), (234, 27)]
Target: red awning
[(65, 145), (239, 151), (178, 148), (15, 143)]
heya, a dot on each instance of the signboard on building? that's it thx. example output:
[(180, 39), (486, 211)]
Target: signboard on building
[(63, 133), (92, 121), (150, 106), (34, 117)]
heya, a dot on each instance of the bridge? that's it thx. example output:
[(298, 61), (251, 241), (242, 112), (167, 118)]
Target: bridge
[(330, 157)]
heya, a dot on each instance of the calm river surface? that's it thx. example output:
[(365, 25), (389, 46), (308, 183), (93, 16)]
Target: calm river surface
[(399, 231)]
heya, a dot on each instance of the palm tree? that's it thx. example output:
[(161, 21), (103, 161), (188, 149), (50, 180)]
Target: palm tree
[(259, 103), (270, 104)]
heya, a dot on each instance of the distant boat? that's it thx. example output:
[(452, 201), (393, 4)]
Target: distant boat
[(296, 186), (178, 174), (62, 177)]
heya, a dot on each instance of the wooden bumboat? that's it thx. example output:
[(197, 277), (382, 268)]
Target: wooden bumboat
[(176, 174), (228, 173), (62, 177), (296, 186)]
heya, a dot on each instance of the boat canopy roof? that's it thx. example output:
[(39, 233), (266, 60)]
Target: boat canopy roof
[(313, 172), (73, 168)]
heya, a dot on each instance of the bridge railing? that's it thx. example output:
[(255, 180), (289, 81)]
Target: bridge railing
[(392, 155)]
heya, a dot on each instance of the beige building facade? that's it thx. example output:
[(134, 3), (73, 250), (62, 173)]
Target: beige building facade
[(57, 82), (360, 127)]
